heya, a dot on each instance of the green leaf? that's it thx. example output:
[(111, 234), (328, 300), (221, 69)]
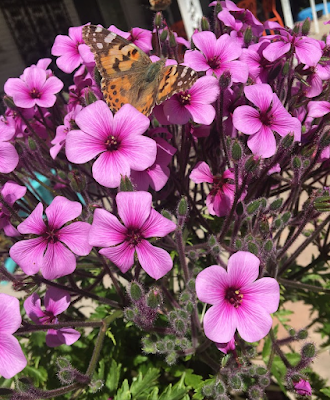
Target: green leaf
[(124, 392), (326, 391), (144, 384), (38, 375), (112, 379), (173, 393), (154, 394)]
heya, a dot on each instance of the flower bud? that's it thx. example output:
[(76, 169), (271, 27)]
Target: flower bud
[(303, 388), (163, 35), (190, 307), (275, 205), (238, 244), (225, 80), (125, 184), (268, 246), (217, 8), (161, 348), (212, 241), (66, 375), (148, 346), (9, 102), (248, 35), (264, 381), (235, 382), (32, 144), (261, 371), (236, 151), (182, 209), (136, 291), (130, 314), (154, 298), (308, 351), (179, 326), (302, 334), (97, 77), (286, 68), (77, 181), (191, 284), (184, 297), (62, 174), (96, 386), (205, 25), (90, 97), (171, 358), (286, 216), (172, 40), (184, 343), (251, 164), (208, 390), (287, 141), (296, 162), (253, 248), (63, 362), (158, 21), (256, 393), (220, 387), (306, 26), (253, 207)]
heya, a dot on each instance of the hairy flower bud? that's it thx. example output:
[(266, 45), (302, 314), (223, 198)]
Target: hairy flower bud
[(306, 26), (235, 382), (136, 291), (248, 35), (205, 25), (256, 393), (236, 151), (163, 35), (126, 184), (158, 21), (308, 351), (77, 181)]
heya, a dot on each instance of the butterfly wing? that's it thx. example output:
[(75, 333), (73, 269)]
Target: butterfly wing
[(113, 54), (175, 79)]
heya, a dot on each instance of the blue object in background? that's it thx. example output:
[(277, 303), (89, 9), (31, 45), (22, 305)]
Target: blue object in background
[(307, 12)]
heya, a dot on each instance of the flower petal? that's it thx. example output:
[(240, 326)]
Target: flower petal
[(55, 338), (12, 360), (81, 147), (11, 192), (201, 173), (129, 122), (220, 322), (265, 292), (134, 208), (10, 316), (261, 95), (58, 261), (32, 306), (121, 255), (247, 120), (211, 284), (243, 269), (154, 260), (75, 236), (106, 230), (156, 225), (262, 143), (56, 300), (8, 157), (28, 254), (62, 210), (34, 222)]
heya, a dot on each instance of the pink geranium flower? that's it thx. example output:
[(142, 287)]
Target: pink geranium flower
[(8, 154), (195, 103), (72, 50), (10, 192), (53, 250), (34, 89), (118, 139), (303, 388), (141, 222), (216, 56), (239, 300), (221, 197), (260, 123), (12, 359), (56, 301), (157, 175)]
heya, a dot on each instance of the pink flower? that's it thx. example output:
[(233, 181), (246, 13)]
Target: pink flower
[(8, 154), (118, 139), (141, 221), (56, 301), (34, 89), (221, 197), (157, 175), (194, 103), (303, 388), (239, 300), (53, 250), (141, 38), (216, 56), (262, 122), (72, 50), (10, 192), (226, 347), (12, 359)]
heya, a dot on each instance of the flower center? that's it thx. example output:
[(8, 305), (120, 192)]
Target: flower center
[(133, 237), (184, 98), (112, 143), (218, 183), (51, 235), (48, 318), (35, 94), (234, 297), (266, 118), (214, 62)]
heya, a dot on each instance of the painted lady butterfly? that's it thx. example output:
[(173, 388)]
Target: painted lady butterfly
[(129, 76)]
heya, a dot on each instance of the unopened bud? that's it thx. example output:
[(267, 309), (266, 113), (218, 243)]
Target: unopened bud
[(248, 35), (286, 216), (9, 102), (130, 314), (32, 144), (66, 375), (251, 164), (125, 184), (96, 386), (236, 151), (253, 248), (205, 25), (135, 291), (253, 207), (208, 390), (306, 26), (220, 387), (287, 141), (261, 371), (182, 207), (235, 382), (275, 205), (171, 358), (77, 181), (286, 68), (90, 97), (264, 381), (268, 246), (163, 35), (256, 393), (61, 174), (172, 40), (158, 22), (179, 326), (154, 298), (225, 80), (238, 244), (63, 362), (302, 334), (217, 8), (161, 347), (97, 77), (212, 241), (296, 162), (308, 351)]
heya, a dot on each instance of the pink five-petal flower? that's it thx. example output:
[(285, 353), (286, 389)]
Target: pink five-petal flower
[(10, 192), (72, 50), (53, 250), (216, 56), (118, 139), (221, 197), (8, 155), (303, 388), (141, 221), (239, 300), (260, 123), (141, 38), (12, 359), (56, 301), (35, 89), (157, 175), (194, 103)]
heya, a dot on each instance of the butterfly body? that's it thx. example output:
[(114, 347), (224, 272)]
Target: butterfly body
[(129, 76)]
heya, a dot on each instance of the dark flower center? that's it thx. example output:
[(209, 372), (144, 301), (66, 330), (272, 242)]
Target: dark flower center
[(184, 98), (48, 318), (218, 183), (35, 94), (134, 237), (51, 235), (214, 62), (112, 143), (266, 118), (234, 297)]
